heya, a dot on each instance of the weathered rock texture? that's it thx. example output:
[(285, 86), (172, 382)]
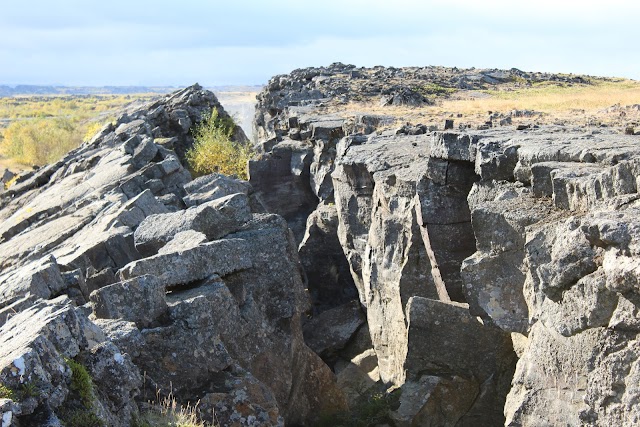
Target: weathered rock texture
[(462, 248), (489, 277), (115, 258)]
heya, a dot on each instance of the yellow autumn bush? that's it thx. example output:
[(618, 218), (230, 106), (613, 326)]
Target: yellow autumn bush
[(215, 151)]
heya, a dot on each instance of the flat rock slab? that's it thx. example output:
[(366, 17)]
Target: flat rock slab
[(330, 331), (211, 187), (215, 219), (453, 146), (182, 241), (140, 300), (434, 401), (40, 279), (220, 257)]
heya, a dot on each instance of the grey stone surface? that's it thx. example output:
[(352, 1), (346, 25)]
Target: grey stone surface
[(140, 300), (247, 319), (434, 400), (493, 276), (41, 279), (210, 187), (444, 339), (329, 279), (330, 331), (215, 219), (453, 146), (281, 179), (533, 228), (34, 345), (66, 228), (183, 240), (358, 375), (248, 403), (533, 232), (219, 257)]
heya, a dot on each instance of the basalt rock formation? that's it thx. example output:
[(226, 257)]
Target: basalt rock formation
[(485, 277), (115, 259), (497, 269)]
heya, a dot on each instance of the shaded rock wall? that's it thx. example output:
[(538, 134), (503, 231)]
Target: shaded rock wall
[(521, 239)]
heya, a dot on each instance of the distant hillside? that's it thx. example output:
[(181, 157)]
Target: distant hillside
[(14, 90)]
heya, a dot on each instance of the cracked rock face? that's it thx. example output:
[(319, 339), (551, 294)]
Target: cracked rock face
[(490, 278), (114, 257), (483, 243)]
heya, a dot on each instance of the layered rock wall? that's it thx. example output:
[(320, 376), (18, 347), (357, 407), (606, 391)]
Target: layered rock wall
[(472, 251), (115, 259)]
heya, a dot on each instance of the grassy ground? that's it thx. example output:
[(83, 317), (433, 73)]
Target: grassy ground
[(612, 102), (35, 130), (78, 107)]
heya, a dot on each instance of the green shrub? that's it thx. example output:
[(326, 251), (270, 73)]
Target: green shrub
[(78, 409), (28, 389), (214, 151), (82, 418), (6, 392), (81, 382), (434, 89)]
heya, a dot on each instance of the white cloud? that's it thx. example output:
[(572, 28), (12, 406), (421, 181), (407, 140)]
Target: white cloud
[(163, 42)]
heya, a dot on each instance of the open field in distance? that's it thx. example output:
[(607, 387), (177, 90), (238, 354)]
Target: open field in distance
[(39, 128)]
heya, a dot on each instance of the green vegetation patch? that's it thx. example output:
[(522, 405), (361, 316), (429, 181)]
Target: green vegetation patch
[(82, 418), (6, 392), (434, 89), (81, 107), (214, 150), (41, 129), (38, 142), (24, 391), (81, 382), (78, 409)]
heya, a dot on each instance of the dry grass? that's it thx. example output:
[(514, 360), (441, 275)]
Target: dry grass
[(166, 412), (552, 98), (557, 103), (70, 106), (12, 164)]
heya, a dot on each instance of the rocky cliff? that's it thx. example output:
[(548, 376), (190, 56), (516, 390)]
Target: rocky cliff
[(497, 269), (116, 263), (366, 274)]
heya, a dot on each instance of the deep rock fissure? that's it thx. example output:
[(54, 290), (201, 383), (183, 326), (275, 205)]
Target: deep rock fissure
[(404, 228), (429, 262)]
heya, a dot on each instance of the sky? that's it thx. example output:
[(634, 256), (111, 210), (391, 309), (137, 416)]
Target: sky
[(235, 42)]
